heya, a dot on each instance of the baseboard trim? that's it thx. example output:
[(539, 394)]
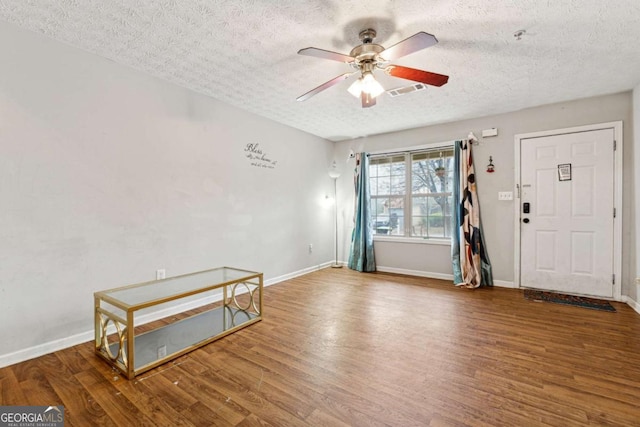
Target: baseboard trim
[(633, 304), (298, 273), (81, 338), (418, 273), (46, 348), (441, 276), (504, 284)]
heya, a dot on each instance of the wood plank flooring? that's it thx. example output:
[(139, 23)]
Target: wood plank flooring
[(341, 348)]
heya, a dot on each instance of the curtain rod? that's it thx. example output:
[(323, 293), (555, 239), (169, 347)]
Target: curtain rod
[(471, 137), (433, 145)]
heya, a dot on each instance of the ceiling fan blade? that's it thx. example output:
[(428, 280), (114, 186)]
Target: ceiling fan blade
[(367, 100), (409, 45), (421, 76), (325, 54), (324, 86)]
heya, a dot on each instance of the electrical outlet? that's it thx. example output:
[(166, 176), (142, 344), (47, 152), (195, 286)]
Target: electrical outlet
[(162, 351), (160, 274), (505, 195), (310, 248)]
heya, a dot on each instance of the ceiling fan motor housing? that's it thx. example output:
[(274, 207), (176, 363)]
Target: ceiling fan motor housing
[(367, 35), (367, 52)]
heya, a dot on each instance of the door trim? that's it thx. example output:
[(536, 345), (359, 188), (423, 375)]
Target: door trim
[(617, 196)]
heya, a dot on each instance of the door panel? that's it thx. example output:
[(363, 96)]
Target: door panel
[(582, 252), (546, 244), (567, 245)]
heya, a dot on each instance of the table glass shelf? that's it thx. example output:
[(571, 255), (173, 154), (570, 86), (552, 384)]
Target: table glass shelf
[(120, 340)]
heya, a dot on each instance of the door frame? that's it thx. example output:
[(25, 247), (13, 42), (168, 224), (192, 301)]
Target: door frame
[(617, 196)]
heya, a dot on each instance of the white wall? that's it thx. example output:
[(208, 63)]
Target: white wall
[(107, 174), (634, 291), (497, 216)]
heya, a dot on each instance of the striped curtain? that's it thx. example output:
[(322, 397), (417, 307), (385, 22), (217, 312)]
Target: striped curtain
[(361, 256), (471, 266)]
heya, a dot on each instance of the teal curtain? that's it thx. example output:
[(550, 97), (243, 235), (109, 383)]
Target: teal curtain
[(471, 265), (361, 256)]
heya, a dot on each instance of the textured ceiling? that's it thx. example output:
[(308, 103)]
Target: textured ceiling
[(243, 52)]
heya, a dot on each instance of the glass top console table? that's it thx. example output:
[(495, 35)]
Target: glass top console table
[(142, 326)]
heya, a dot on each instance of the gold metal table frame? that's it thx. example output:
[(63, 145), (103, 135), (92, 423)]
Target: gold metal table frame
[(234, 294)]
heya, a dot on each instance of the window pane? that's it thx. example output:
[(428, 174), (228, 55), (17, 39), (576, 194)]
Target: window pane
[(397, 185), (379, 206), (389, 218), (398, 168), (373, 208), (448, 212), (384, 185), (419, 226), (373, 186), (420, 176), (432, 171), (373, 171), (379, 215), (435, 220), (396, 216)]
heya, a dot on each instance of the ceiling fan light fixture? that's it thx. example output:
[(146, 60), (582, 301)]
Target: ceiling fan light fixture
[(370, 85), (356, 88)]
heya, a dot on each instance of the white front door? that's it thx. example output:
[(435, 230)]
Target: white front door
[(567, 236)]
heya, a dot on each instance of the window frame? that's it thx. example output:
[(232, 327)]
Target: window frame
[(409, 194)]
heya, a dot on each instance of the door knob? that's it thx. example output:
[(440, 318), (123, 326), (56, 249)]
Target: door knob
[(526, 220)]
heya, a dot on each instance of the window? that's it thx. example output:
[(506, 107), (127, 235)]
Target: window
[(411, 193)]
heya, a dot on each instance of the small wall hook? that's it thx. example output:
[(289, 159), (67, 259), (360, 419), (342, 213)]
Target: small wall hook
[(472, 138)]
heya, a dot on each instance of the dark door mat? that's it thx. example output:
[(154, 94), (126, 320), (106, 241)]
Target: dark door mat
[(592, 303)]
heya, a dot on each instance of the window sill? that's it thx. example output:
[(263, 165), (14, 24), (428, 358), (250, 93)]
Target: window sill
[(414, 240)]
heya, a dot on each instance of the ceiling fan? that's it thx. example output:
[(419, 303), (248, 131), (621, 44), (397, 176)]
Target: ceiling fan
[(369, 56)]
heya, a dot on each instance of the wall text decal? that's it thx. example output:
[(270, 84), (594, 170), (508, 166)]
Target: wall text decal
[(257, 157)]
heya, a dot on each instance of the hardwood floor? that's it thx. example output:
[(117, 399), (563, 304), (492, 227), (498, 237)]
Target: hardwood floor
[(341, 348)]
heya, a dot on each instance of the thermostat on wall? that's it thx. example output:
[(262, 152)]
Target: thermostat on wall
[(489, 132)]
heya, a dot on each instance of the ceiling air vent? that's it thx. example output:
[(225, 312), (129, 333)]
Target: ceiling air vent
[(407, 89)]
